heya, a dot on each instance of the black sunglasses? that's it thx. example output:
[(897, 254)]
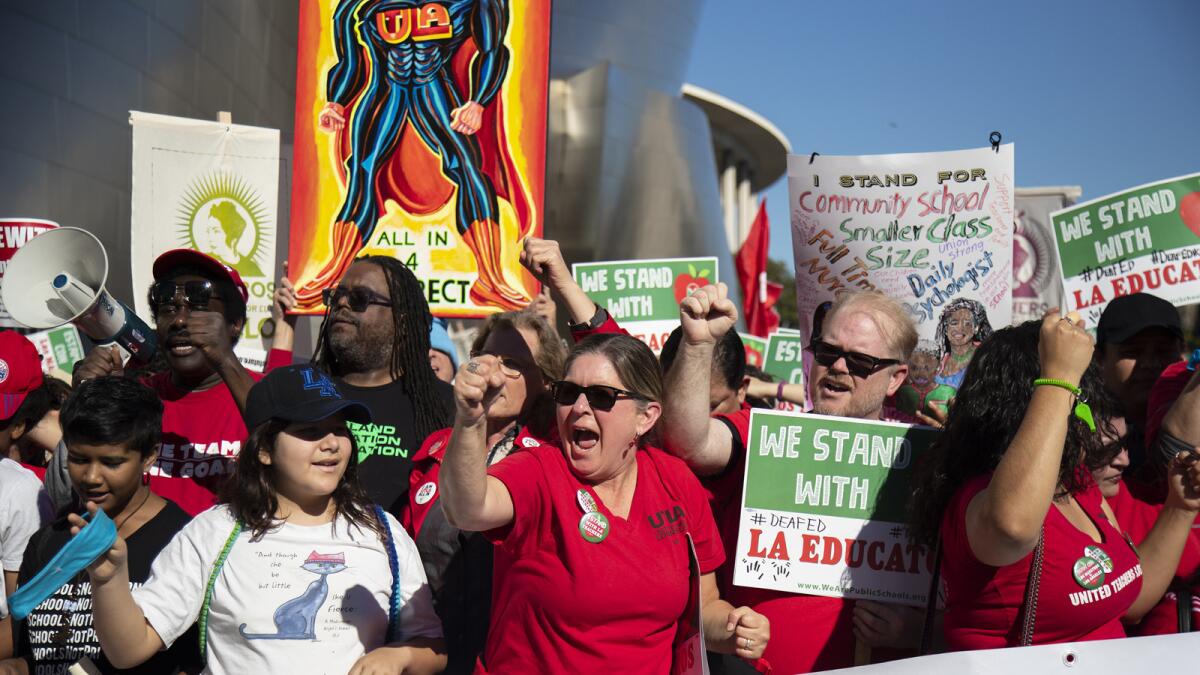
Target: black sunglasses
[(195, 293), (859, 364), (357, 298), (599, 396)]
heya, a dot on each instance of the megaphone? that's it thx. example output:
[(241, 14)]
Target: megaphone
[(58, 277)]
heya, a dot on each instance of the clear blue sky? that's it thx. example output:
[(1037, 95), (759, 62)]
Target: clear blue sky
[(1100, 94)]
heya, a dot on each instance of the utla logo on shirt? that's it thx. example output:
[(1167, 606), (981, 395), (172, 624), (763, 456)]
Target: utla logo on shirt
[(668, 522)]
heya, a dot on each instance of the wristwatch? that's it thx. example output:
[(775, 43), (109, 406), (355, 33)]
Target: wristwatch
[(595, 322)]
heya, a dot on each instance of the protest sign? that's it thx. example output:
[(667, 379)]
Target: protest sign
[(1037, 284), (932, 230), (212, 187), (644, 295), (60, 348), (1145, 239), (421, 136), (756, 349), (824, 507), (14, 232)]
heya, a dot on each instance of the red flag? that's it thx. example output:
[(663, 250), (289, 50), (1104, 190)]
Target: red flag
[(758, 295)]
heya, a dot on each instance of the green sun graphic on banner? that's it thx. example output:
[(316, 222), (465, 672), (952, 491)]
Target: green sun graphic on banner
[(223, 216)]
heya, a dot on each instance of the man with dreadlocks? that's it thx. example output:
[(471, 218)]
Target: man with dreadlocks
[(375, 342)]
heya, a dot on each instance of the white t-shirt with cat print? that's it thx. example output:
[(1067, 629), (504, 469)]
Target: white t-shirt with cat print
[(303, 599)]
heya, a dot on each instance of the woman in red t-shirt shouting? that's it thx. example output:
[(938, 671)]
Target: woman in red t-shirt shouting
[(592, 568), (1031, 552)]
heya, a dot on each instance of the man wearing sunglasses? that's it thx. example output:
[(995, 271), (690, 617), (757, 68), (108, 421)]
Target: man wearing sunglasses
[(199, 308), (858, 361)]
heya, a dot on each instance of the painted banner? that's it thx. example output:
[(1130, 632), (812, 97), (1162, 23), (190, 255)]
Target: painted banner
[(932, 230), (214, 188), (14, 232), (824, 508), (1171, 654), (1037, 284), (644, 295), (60, 348), (756, 349), (1145, 239), (421, 135)]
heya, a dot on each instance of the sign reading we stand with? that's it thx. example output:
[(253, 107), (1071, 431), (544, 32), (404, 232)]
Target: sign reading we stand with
[(824, 508), (644, 295)]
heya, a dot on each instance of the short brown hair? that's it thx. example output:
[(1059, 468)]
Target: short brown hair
[(893, 320), (551, 354)]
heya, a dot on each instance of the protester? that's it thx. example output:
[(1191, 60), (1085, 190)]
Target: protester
[(1137, 337), (459, 564), (1030, 551), (859, 360), (245, 570), (591, 554), (29, 429), (442, 356), (962, 327), (112, 427), (199, 308), (375, 343)]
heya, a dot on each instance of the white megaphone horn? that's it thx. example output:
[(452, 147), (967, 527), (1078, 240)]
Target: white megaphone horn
[(58, 277)]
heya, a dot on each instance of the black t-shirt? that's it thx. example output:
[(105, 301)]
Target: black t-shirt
[(59, 632), (387, 444)]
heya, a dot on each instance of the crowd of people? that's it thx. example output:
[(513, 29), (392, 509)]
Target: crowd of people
[(551, 505)]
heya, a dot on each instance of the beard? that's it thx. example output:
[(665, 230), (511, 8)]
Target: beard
[(361, 350)]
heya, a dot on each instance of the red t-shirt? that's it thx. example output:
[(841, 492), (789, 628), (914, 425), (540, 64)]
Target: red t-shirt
[(202, 432), (427, 464), (1137, 518), (818, 629), (983, 603), (563, 605)]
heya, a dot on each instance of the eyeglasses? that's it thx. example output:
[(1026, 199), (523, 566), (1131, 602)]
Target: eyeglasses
[(508, 365), (599, 396), (196, 294), (357, 298), (859, 364)]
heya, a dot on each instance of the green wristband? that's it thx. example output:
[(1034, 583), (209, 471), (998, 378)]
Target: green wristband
[(1082, 410)]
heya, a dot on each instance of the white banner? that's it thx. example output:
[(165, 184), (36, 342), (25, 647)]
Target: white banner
[(214, 188), (1164, 653)]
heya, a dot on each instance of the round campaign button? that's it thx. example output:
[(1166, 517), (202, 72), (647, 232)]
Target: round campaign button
[(1088, 573), (593, 527), (425, 493), (586, 502), (1096, 553)]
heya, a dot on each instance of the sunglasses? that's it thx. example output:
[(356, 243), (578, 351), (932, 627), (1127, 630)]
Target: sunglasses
[(357, 298), (196, 294), (860, 365), (599, 396), (509, 366)]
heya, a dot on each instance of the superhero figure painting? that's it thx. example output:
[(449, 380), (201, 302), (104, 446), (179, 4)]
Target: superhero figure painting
[(413, 106)]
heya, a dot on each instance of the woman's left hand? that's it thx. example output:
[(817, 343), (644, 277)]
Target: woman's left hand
[(1183, 481), (751, 632), (383, 661)]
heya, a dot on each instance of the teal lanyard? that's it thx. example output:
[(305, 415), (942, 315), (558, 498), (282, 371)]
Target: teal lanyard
[(393, 563)]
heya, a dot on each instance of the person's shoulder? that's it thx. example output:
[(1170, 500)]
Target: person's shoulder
[(173, 515), (433, 447), (18, 483), (670, 466)]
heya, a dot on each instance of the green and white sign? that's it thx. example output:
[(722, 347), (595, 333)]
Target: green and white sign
[(1143, 240), (644, 295), (824, 508), (59, 348), (784, 358), (214, 188)]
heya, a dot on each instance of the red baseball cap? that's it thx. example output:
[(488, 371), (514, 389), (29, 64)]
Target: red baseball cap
[(20, 371), (186, 256)]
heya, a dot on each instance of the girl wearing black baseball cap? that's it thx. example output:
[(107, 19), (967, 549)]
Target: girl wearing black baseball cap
[(296, 571)]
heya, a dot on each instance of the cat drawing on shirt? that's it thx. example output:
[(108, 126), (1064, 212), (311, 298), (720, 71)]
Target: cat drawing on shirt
[(296, 619)]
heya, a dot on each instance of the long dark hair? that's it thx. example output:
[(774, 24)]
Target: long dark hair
[(409, 359), (987, 412), (250, 491)]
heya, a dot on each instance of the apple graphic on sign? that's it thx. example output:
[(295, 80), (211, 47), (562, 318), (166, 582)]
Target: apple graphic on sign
[(1189, 212), (686, 283)]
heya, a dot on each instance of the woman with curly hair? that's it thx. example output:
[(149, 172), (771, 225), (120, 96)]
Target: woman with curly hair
[(962, 327), (1031, 553)]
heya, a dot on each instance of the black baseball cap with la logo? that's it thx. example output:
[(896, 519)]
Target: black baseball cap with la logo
[(299, 393)]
